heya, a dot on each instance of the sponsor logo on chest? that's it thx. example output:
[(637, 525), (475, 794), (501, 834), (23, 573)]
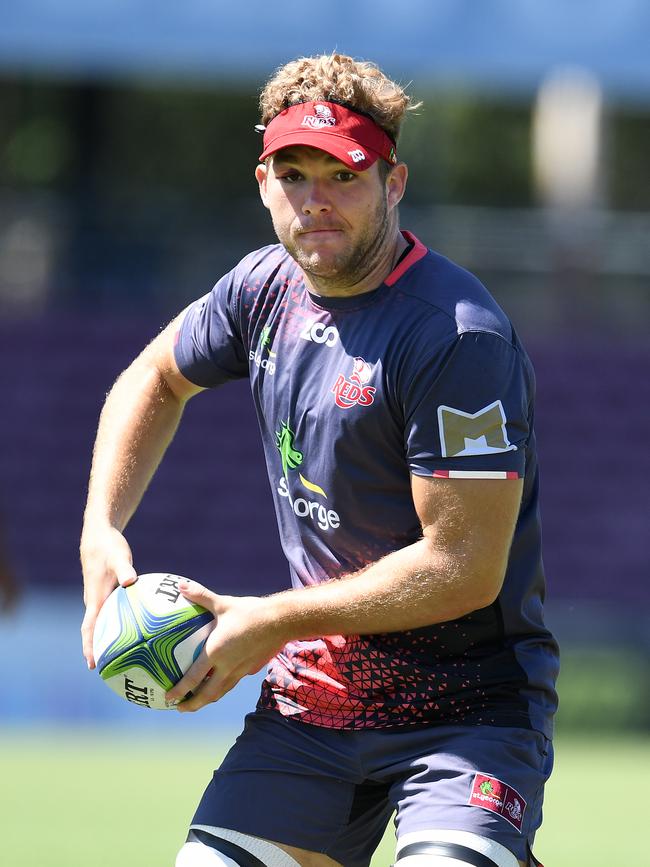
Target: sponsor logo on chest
[(317, 332), (354, 391), (313, 509), (263, 357)]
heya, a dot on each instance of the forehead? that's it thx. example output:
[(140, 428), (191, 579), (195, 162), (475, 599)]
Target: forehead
[(304, 154)]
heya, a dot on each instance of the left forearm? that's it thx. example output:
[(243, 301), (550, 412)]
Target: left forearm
[(413, 587)]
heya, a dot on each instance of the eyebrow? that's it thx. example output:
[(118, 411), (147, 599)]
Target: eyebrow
[(290, 156)]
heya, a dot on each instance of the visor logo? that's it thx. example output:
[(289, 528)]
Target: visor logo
[(357, 155), (322, 118)]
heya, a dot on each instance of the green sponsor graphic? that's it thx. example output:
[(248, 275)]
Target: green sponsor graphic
[(265, 340), (291, 458), (486, 787)]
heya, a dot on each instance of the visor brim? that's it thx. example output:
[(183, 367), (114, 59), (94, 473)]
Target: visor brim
[(346, 150)]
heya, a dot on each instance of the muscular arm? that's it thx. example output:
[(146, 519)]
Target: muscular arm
[(136, 425), (456, 567)]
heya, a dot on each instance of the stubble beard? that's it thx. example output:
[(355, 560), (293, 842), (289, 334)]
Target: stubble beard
[(349, 267)]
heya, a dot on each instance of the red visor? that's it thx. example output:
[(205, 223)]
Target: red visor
[(352, 138)]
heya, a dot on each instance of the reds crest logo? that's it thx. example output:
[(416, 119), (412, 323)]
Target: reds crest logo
[(322, 118), (354, 391)]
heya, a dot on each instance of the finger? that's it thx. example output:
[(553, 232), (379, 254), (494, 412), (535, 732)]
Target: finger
[(87, 630), (196, 592), (126, 574), (209, 692), (192, 678)]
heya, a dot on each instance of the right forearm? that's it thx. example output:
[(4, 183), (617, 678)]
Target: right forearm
[(136, 425)]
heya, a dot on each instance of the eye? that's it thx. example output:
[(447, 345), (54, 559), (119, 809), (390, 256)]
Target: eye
[(345, 176), (290, 177)]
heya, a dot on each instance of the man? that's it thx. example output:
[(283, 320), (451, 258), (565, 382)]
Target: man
[(410, 669)]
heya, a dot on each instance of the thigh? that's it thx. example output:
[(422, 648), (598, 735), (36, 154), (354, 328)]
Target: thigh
[(486, 781), (299, 786), (309, 859)]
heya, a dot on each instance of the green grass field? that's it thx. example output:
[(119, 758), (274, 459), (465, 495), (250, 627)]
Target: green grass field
[(82, 800)]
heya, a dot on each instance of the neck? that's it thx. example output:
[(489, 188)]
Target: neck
[(380, 267)]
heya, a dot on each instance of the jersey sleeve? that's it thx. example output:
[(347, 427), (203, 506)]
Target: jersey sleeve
[(468, 410), (209, 348)]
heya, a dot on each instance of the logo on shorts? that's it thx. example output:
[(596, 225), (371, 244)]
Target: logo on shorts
[(354, 391), (495, 795)]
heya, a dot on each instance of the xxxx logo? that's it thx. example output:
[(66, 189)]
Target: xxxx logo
[(354, 391), (292, 458)]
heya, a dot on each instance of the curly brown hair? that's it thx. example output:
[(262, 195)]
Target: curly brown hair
[(359, 84)]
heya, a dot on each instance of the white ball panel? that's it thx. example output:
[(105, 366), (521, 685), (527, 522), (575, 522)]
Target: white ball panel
[(187, 650), (158, 593), (138, 687)]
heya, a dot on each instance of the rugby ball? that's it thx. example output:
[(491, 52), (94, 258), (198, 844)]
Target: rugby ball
[(146, 637)]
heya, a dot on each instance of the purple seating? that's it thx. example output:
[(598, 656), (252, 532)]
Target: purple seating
[(208, 512), (593, 427)]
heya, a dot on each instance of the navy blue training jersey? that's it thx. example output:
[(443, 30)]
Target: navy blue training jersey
[(424, 375)]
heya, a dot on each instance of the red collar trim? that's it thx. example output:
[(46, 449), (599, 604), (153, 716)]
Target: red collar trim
[(414, 255)]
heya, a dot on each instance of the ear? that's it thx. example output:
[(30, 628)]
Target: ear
[(396, 184), (261, 175)]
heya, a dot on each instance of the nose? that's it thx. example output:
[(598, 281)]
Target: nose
[(316, 200)]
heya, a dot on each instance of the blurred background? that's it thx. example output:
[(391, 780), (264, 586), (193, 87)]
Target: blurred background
[(127, 153)]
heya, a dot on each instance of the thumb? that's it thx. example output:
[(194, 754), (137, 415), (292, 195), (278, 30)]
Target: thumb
[(126, 574), (196, 592)]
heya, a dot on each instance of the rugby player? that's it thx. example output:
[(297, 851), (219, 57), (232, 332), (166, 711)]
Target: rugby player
[(408, 667)]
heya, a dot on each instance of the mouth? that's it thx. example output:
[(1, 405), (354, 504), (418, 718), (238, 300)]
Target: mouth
[(320, 233)]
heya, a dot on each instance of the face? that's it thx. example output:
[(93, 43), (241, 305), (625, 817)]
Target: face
[(333, 221)]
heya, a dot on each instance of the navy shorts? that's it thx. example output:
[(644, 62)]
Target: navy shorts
[(334, 791)]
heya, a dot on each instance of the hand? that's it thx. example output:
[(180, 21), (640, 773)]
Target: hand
[(106, 561), (243, 640)]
